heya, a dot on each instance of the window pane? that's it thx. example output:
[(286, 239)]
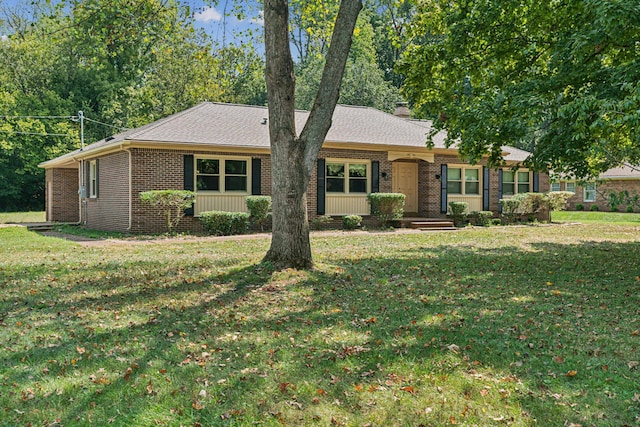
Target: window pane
[(523, 188), (335, 185), (211, 166), (454, 174), (507, 176), (208, 182), (472, 187), (507, 189), (523, 177), (454, 187), (555, 186), (471, 174), (335, 170), (357, 185), (570, 186), (235, 167), (357, 171), (235, 183)]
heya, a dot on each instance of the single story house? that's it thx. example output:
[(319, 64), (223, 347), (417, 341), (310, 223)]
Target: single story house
[(221, 151), (597, 192)]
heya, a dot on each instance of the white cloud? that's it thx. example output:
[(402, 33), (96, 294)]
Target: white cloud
[(207, 15), (258, 19)]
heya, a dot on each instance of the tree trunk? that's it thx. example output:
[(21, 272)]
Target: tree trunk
[(293, 158)]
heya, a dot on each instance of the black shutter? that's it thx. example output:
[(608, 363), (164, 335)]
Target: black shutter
[(375, 176), (485, 188), (188, 179), (256, 177), (321, 187), (536, 182), (499, 190), (443, 188), (97, 179)]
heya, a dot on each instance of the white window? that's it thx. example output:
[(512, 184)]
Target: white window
[(461, 180), (222, 175), (515, 182), (93, 179), (570, 186), (589, 192), (555, 186), (348, 177)]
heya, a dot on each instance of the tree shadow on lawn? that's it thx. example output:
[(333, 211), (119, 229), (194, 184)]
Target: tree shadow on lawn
[(501, 328)]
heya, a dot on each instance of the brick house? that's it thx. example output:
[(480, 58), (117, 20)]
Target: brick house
[(596, 192), (221, 151)]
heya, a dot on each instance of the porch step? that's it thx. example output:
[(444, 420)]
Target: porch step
[(431, 224), (438, 228), (39, 226)]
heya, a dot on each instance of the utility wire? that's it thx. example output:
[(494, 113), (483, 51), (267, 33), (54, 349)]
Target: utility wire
[(36, 117), (34, 133), (105, 124)]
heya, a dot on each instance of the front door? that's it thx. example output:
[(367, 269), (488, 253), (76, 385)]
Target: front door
[(405, 181)]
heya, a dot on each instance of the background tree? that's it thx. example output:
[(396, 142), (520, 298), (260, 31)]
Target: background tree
[(294, 156), (561, 79)]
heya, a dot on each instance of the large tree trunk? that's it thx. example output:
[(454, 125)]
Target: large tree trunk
[(293, 158)]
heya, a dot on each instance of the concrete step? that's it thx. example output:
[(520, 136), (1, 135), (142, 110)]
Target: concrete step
[(438, 229), (431, 224), (39, 226)]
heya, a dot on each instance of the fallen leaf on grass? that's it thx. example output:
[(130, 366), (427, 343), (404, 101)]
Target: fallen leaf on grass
[(409, 389), (558, 359), (633, 364), (572, 373)]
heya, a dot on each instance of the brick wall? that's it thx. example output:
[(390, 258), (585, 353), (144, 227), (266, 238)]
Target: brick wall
[(110, 210), (603, 189), (164, 170), (62, 205)]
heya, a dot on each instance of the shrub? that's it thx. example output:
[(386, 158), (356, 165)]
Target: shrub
[(481, 218), (510, 209), (579, 207), (629, 209), (318, 222), (351, 222), (172, 204), (594, 208), (496, 221), (259, 209), (557, 200), (224, 223), (530, 203), (386, 206), (458, 212)]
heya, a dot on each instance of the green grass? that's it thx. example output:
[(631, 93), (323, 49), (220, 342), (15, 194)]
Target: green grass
[(516, 326), (6, 217), (589, 217)]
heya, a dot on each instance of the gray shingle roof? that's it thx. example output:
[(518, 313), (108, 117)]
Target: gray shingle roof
[(241, 126), (622, 172)]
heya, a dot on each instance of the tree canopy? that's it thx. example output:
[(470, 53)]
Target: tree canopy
[(561, 79)]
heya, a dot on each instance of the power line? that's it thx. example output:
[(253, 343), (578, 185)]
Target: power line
[(105, 124), (34, 133), (36, 117)]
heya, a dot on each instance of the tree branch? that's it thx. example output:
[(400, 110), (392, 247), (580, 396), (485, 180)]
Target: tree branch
[(319, 122)]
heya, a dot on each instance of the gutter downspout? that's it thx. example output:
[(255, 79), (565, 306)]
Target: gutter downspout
[(126, 150)]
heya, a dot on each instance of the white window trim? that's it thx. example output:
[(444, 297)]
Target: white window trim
[(516, 182), (93, 180), (554, 183), (463, 187), (346, 163), (222, 174), (584, 192), (568, 183)]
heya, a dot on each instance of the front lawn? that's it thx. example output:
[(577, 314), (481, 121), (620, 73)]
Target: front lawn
[(588, 217), (517, 326), (7, 217)]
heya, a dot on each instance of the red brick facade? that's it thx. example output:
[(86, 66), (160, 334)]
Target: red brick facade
[(62, 203), (603, 189), (123, 175)]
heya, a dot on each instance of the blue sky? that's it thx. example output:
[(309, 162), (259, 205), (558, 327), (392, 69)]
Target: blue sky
[(220, 21)]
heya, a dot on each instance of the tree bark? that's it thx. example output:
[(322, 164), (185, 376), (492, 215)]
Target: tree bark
[(293, 158)]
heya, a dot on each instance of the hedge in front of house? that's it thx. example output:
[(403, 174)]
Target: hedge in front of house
[(481, 218), (221, 223), (387, 206)]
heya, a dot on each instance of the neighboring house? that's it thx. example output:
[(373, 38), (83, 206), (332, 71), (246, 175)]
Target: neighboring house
[(596, 192), (221, 151)]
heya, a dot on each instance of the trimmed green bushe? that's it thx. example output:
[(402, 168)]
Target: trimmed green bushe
[(259, 210), (351, 222), (458, 212), (172, 204), (221, 223), (387, 206)]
